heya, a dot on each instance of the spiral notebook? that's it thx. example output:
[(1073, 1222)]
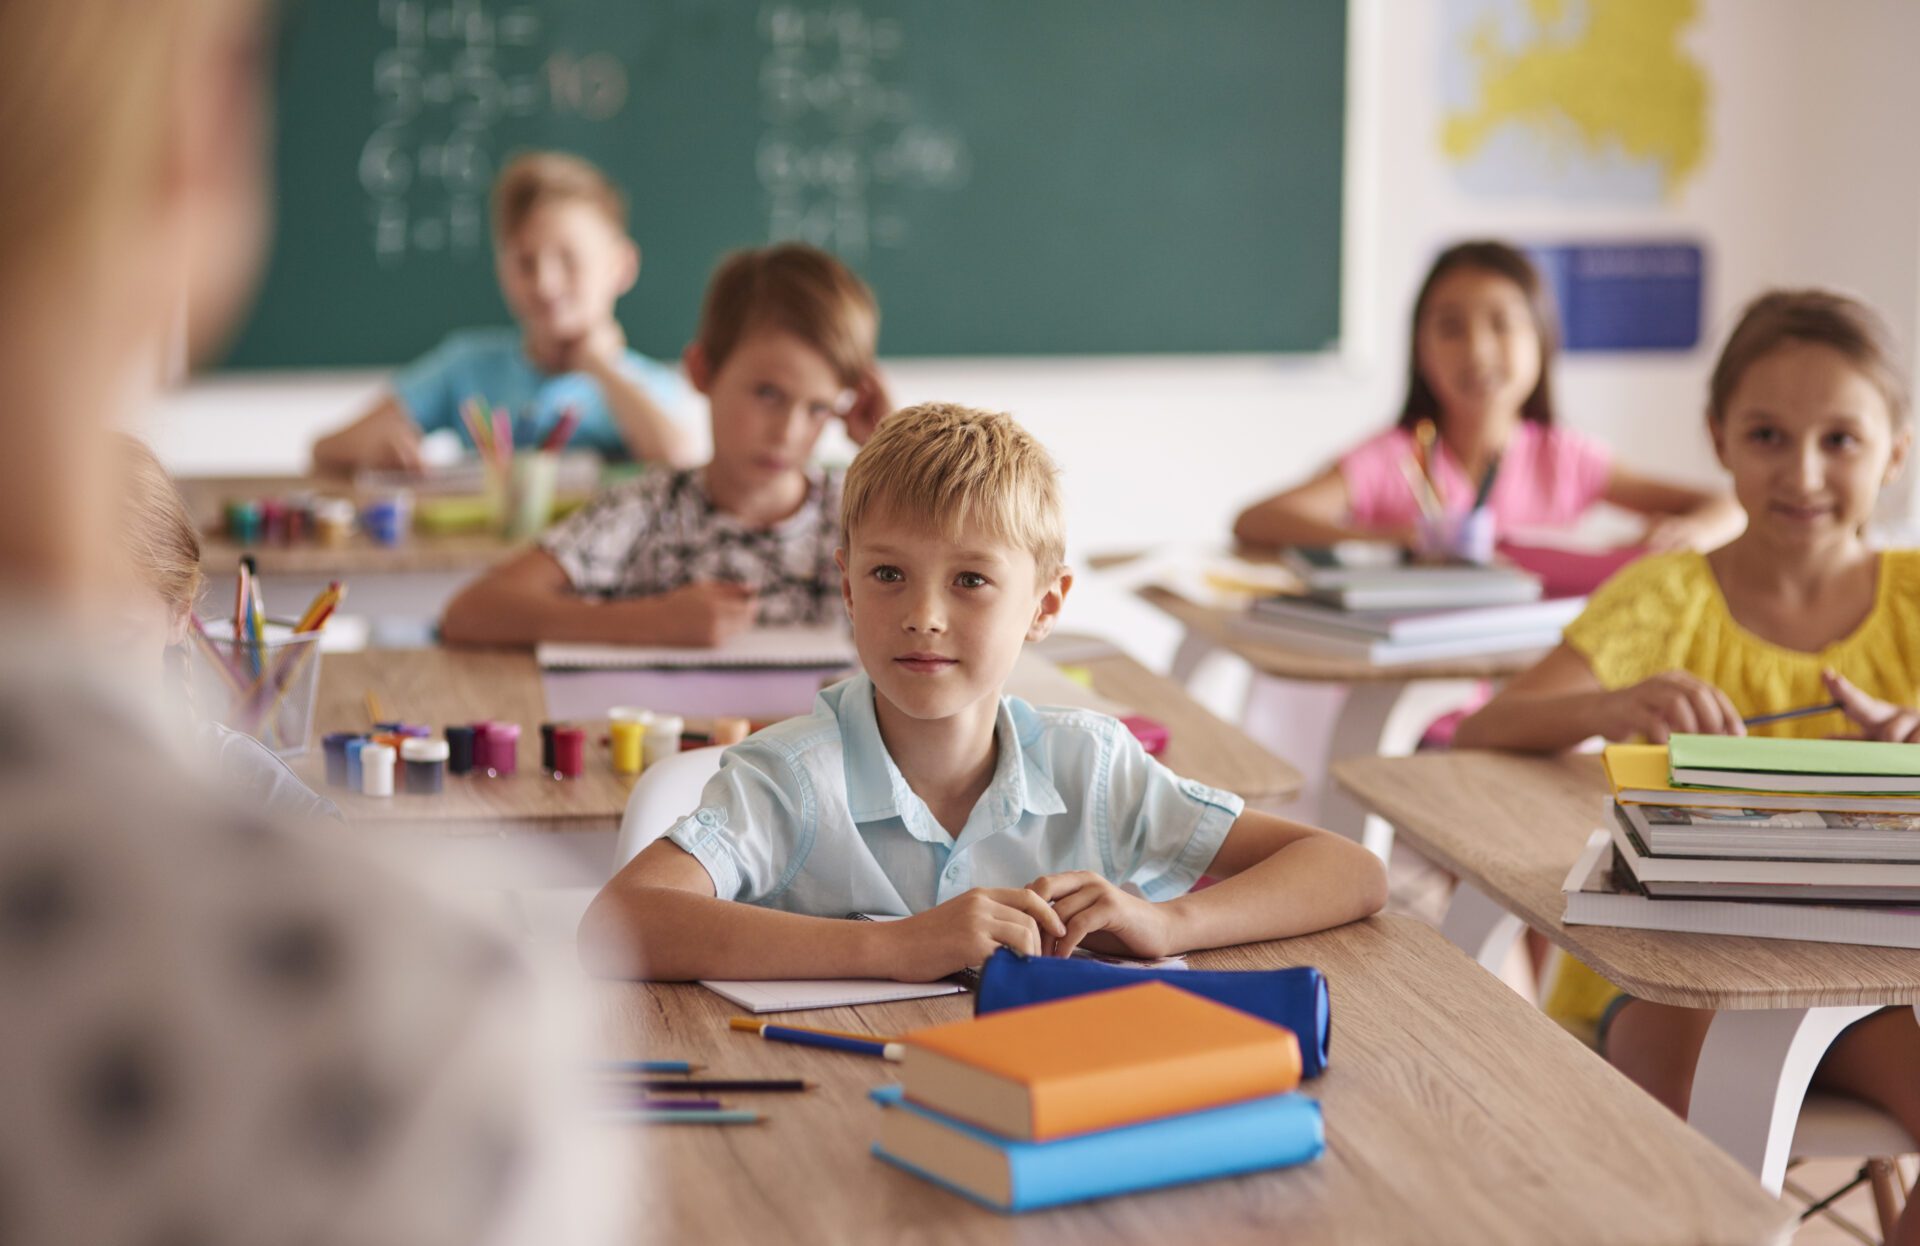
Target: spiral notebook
[(792, 996)]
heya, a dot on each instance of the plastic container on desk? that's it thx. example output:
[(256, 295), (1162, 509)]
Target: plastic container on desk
[(275, 706)]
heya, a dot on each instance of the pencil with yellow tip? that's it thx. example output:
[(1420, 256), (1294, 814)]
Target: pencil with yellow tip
[(858, 1044)]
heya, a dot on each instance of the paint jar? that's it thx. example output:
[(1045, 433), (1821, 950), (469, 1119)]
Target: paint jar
[(332, 521), (546, 747), (273, 521), (299, 518), (460, 749), (426, 763), (243, 521), (503, 749), (728, 731), (414, 731), (335, 745), (530, 489), (629, 743), (355, 747), (376, 770), (388, 516), (663, 737), (569, 751)]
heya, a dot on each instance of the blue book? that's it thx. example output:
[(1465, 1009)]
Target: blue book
[(1022, 1176)]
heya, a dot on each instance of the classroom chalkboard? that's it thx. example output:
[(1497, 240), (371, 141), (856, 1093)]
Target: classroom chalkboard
[(1012, 176)]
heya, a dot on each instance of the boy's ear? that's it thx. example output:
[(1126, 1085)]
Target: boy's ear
[(1897, 460), (699, 371), (177, 630), (1051, 602), (629, 258), (846, 582)]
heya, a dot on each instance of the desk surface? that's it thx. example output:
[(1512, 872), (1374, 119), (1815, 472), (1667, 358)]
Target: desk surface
[(460, 552), (1454, 1113), (1514, 826), (1221, 628), (441, 686)]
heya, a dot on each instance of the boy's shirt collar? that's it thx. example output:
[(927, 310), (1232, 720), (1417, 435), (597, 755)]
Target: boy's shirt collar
[(877, 790)]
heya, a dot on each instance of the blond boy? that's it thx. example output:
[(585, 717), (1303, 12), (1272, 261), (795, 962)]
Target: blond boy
[(920, 790), (563, 259), (691, 556)]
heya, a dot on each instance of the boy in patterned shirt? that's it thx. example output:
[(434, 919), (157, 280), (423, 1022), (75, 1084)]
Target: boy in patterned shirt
[(690, 557)]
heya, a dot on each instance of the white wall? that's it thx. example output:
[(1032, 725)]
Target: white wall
[(1811, 177)]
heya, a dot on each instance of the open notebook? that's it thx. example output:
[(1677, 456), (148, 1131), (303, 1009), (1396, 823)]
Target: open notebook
[(792, 996), (827, 647)]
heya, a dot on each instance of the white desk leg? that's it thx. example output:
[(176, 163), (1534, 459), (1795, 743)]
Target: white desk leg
[(1753, 1075), (1479, 927), (1383, 719), (1193, 650)]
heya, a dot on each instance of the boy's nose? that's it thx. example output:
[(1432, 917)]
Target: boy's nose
[(924, 613)]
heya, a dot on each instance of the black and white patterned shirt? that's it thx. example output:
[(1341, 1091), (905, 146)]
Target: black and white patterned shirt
[(661, 530), (216, 1028)]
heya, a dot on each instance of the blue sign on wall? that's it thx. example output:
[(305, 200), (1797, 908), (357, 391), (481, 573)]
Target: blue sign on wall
[(1626, 296)]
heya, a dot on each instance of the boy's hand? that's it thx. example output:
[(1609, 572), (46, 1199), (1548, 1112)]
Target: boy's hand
[(396, 447), (871, 404), (702, 614), (1104, 916), (1878, 720), (965, 930), (599, 350), (1668, 703)]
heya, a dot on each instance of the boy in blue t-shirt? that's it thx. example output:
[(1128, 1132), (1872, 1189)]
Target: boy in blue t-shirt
[(563, 258)]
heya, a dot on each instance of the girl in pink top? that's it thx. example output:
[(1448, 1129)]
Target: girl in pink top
[(1480, 381)]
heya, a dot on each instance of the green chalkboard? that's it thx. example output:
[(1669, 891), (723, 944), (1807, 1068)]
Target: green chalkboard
[(1012, 176)]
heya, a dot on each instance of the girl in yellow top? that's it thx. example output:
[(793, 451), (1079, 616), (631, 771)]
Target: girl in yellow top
[(1809, 416)]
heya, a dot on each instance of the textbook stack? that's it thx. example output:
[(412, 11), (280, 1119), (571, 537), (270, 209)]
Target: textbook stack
[(1096, 1095), (1773, 838), (1365, 604)]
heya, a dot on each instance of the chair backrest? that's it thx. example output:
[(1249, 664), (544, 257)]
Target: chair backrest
[(665, 792)]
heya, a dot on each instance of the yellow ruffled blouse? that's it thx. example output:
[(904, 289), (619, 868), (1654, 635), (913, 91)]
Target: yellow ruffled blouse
[(1666, 612)]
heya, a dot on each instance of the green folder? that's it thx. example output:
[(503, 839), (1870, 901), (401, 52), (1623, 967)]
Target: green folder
[(1774, 764)]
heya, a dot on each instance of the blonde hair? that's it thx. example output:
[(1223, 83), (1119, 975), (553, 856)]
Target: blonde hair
[(797, 288), (952, 467), (158, 534), (1821, 317), (536, 178), (86, 91)]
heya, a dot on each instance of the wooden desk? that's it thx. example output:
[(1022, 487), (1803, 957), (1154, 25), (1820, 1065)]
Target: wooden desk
[(411, 581), (1511, 827), (1386, 710), (441, 686), (1454, 1114)]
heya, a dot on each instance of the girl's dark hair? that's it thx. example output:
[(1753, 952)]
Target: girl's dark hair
[(1817, 316), (1503, 261)]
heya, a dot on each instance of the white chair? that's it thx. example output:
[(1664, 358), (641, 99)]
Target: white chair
[(665, 792), (1834, 1127)]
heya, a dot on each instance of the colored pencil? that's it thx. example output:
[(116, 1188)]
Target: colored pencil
[(562, 431), (833, 1042), (657, 1085), (647, 1066), (1805, 711), (640, 1116), (321, 606), (374, 716), (222, 662), (1423, 495), (257, 627), (678, 1105), (753, 1025), (1486, 482)]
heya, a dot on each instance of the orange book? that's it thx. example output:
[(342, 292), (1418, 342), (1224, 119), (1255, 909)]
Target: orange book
[(1097, 1061)]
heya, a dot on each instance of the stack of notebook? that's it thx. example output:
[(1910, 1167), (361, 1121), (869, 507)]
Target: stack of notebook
[(1099, 1094), (1357, 606), (1777, 838)]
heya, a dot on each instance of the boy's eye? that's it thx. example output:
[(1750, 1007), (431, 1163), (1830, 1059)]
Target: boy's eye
[(769, 394), (887, 574), (1764, 436), (1842, 441), (970, 579)]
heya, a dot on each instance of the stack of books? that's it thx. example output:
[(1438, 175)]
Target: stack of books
[(1096, 1095), (1389, 612), (1774, 838)]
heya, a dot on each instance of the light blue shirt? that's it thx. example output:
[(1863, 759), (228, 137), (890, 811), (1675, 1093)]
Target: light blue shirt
[(491, 364), (811, 815)]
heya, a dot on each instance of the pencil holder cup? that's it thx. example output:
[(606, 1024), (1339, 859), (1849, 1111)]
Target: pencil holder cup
[(1467, 537), (530, 491), (274, 704)]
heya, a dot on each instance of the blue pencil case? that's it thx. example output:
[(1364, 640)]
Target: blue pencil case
[(1295, 997)]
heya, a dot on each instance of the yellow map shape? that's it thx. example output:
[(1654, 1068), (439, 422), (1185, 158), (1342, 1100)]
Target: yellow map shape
[(1623, 81)]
